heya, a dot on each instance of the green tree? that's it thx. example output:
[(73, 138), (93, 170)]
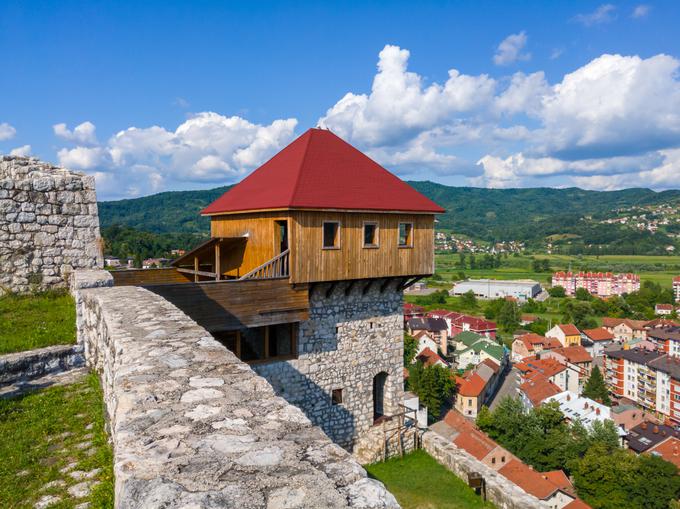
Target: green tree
[(410, 349), (493, 308), (583, 294), (557, 291), (656, 484), (577, 312), (434, 385), (596, 388), (509, 316), (468, 300), (601, 476)]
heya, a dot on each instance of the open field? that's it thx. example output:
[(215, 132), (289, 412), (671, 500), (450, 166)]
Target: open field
[(419, 482), (658, 269), (54, 444), (36, 321)]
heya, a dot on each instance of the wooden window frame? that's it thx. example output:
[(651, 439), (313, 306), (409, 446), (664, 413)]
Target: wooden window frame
[(409, 244), (323, 234), (377, 235)]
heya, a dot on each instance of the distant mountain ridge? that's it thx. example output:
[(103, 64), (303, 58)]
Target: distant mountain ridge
[(529, 215)]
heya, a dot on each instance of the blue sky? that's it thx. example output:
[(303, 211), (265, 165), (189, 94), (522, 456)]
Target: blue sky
[(152, 96)]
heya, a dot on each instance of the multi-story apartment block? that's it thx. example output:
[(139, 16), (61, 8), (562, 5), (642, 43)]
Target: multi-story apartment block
[(676, 288), (649, 378), (602, 284)]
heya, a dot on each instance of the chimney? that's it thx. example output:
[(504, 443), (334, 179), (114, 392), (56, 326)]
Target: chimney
[(597, 411), (586, 405), (655, 430), (643, 425)]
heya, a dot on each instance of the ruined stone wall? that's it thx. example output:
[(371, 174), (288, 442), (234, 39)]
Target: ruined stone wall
[(49, 225), (503, 493), (192, 426), (347, 340)]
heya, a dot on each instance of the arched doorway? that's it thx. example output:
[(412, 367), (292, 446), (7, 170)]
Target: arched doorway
[(379, 382)]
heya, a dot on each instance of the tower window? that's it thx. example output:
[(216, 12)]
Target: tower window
[(331, 235), (336, 396), (405, 234), (370, 234)]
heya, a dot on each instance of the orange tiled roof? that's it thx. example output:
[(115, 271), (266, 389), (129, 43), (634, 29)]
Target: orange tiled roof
[(569, 329), (669, 450), (528, 479), (475, 442), (472, 386), (429, 358), (559, 479), (577, 504), (538, 388), (491, 364), (599, 334), (575, 354), (546, 367)]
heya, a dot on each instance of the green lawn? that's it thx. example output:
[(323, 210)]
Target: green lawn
[(36, 321), (419, 482), (45, 438)]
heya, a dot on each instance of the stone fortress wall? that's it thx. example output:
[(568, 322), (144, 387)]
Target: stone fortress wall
[(193, 426), (49, 225), (347, 341)]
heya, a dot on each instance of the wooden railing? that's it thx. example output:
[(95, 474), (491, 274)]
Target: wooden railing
[(275, 268)]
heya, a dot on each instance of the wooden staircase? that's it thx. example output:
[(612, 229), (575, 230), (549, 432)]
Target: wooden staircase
[(276, 268)]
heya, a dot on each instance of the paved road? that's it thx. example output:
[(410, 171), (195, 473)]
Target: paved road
[(507, 388)]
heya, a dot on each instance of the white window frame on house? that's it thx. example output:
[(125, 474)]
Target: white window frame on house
[(337, 235), (409, 238), (376, 235)]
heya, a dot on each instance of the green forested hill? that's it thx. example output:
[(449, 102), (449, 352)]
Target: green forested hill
[(528, 215)]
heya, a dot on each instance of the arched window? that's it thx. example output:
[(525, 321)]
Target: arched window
[(379, 382)]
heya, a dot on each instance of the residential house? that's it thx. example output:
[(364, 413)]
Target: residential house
[(530, 344), (625, 329), (566, 334), (110, 261), (459, 322), (602, 284), (647, 435), (435, 328), (663, 309), (425, 341), (578, 361), (600, 338), (554, 489), (475, 387), (580, 408), (627, 416), (676, 288), (535, 389), (412, 311), (479, 351), (430, 358), (527, 319), (550, 369)]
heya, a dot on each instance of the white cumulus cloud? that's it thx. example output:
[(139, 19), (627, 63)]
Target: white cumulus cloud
[(7, 132), (511, 48), (605, 13), (23, 151), (83, 134), (640, 11)]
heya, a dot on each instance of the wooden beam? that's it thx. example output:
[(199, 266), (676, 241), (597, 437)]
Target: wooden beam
[(196, 272), (408, 283), (330, 289), (196, 267), (218, 262), (385, 284), (367, 286), (348, 288)]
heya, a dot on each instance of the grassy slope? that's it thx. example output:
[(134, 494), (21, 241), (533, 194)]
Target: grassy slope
[(33, 452), (36, 321), (419, 482)]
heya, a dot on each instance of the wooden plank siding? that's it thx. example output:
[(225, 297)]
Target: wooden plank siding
[(233, 305), (311, 263), (139, 277), (262, 244)]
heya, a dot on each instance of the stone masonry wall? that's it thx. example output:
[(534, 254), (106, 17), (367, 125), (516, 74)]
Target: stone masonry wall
[(49, 225), (194, 427), (347, 340), (503, 493)]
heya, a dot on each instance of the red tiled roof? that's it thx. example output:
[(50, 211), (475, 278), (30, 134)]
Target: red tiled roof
[(528, 479), (429, 358), (475, 442), (569, 329), (598, 334), (476, 324), (472, 386), (545, 367), (559, 479), (676, 279), (666, 307), (577, 504), (669, 450), (537, 388), (319, 170), (574, 354), (413, 308), (491, 364), (529, 318), (613, 322)]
